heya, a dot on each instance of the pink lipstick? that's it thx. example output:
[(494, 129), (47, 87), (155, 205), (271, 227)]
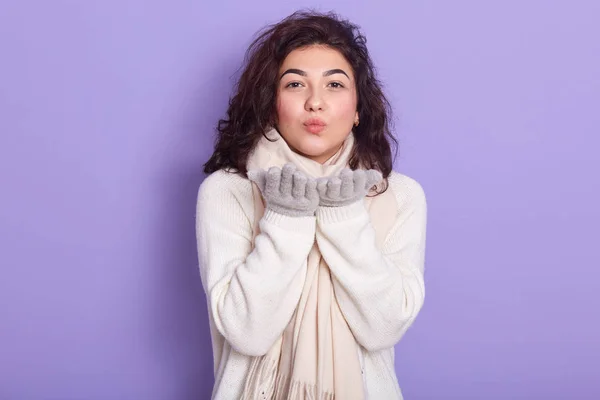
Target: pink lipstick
[(315, 125)]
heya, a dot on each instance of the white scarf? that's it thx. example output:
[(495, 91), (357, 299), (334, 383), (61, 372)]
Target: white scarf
[(317, 356)]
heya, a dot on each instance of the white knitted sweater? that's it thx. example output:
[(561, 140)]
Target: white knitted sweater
[(252, 292)]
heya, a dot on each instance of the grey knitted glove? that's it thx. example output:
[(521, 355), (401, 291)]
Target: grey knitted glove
[(287, 191), (349, 187)]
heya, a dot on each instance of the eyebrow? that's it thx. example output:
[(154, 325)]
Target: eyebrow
[(303, 73)]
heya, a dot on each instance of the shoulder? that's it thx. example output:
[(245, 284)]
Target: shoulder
[(225, 190), (409, 193), (222, 180)]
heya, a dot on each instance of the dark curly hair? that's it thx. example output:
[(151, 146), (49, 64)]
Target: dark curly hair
[(252, 110)]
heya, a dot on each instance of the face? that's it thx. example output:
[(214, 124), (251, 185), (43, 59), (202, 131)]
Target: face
[(316, 101)]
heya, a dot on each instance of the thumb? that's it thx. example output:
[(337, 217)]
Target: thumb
[(259, 177), (373, 178)]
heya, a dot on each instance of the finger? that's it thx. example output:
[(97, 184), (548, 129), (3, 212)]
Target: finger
[(259, 177), (299, 186), (311, 189), (360, 180), (253, 175), (322, 186), (333, 188), (287, 177), (273, 180), (373, 177), (347, 183)]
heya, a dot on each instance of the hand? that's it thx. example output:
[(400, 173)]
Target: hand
[(287, 191), (349, 187)]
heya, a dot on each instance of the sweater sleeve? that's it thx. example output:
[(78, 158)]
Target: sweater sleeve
[(251, 292), (380, 291)]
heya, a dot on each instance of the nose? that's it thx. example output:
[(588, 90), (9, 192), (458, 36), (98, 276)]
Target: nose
[(315, 101)]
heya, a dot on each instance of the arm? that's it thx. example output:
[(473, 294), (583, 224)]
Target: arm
[(380, 291), (251, 293)]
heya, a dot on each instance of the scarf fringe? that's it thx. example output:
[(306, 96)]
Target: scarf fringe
[(306, 391), (261, 380), (267, 384)]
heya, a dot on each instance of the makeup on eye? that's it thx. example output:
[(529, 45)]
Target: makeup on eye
[(334, 85), (289, 85)]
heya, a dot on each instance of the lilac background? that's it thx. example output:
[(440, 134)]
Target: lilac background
[(107, 110)]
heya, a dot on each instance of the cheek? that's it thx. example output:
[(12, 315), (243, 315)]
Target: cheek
[(346, 108), (287, 108)]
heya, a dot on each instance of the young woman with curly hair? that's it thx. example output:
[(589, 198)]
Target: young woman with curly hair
[(311, 247)]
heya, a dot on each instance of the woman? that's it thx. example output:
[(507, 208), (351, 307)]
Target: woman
[(311, 248)]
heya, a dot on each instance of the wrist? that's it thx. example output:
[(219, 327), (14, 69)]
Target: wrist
[(332, 214), (288, 219)]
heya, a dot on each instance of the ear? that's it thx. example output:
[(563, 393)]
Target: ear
[(356, 119)]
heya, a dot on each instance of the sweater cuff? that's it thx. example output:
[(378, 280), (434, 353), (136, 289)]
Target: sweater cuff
[(330, 215), (288, 222)]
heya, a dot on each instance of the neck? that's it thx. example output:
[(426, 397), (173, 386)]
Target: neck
[(273, 150)]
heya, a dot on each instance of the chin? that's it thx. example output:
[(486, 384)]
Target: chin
[(313, 148), (310, 145)]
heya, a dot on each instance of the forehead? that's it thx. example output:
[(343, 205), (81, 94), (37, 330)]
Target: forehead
[(316, 59)]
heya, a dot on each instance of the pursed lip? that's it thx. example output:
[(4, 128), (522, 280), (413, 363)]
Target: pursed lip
[(314, 122)]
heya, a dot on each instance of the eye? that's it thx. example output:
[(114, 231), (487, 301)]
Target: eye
[(293, 85), (336, 85)]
